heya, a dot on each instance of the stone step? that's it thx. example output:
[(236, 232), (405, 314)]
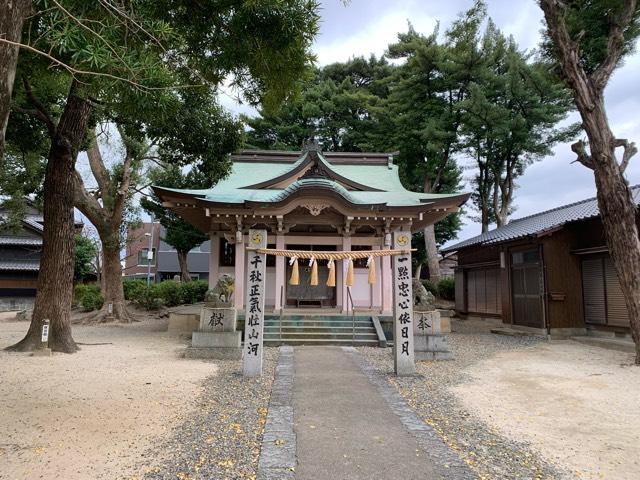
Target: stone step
[(337, 329), (271, 323), (320, 335), (319, 341)]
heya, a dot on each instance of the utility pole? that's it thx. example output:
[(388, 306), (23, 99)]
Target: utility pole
[(149, 253)]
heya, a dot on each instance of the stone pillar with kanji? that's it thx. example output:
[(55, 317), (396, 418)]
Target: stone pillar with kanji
[(253, 349), (403, 346)]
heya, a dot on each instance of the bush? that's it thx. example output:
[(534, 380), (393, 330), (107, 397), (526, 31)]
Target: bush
[(170, 292), (193, 292), (82, 290), (447, 289), (133, 288), (148, 298), (92, 300), (430, 286)]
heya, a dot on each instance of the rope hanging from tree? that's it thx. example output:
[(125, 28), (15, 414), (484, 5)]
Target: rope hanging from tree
[(314, 256)]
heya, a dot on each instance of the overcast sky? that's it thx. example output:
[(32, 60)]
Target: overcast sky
[(368, 26)]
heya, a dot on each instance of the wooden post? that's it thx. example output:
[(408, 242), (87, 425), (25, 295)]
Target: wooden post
[(403, 355), (254, 304)]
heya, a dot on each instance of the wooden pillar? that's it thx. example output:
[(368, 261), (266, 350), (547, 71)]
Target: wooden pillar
[(346, 246), (403, 351), (376, 292), (386, 278), (239, 272), (254, 311), (214, 259), (280, 273)]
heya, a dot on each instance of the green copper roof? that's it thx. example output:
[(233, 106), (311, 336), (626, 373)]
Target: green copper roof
[(377, 182)]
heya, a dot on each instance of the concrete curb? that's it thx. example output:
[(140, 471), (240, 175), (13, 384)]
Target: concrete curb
[(446, 463), (278, 451)]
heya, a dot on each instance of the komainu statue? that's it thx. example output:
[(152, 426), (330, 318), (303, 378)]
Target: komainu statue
[(423, 300), (220, 295)]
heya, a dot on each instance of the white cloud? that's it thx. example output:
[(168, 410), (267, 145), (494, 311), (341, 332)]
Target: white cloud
[(374, 38)]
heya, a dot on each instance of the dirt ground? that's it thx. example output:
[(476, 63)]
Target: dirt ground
[(93, 414), (578, 406)]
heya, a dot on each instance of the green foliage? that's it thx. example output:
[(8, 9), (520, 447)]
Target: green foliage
[(208, 139), (88, 296), (335, 107), (92, 301), (447, 289), (148, 298), (510, 118), (133, 288), (592, 21), (154, 69), (193, 292), (430, 286), (84, 257), (170, 293)]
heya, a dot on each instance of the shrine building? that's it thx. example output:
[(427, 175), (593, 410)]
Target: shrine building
[(313, 201)]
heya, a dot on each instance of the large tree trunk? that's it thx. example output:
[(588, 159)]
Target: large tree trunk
[(12, 15), (55, 279), (184, 266), (432, 253), (112, 290), (618, 213), (617, 208)]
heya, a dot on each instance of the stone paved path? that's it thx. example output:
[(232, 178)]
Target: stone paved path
[(345, 428)]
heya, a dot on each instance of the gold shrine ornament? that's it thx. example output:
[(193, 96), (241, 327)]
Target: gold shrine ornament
[(256, 238), (403, 240)]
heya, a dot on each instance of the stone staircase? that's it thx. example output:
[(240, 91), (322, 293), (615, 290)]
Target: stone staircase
[(319, 330)]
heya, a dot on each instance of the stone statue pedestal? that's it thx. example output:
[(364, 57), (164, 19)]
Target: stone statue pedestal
[(216, 336), (430, 333)]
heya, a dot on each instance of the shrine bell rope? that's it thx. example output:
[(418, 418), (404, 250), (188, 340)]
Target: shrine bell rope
[(349, 256)]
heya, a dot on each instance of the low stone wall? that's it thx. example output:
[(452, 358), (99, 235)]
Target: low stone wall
[(183, 323), (11, 304)]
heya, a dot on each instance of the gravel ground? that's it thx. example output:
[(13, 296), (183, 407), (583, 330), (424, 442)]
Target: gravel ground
[(489, 454), (221, 438)]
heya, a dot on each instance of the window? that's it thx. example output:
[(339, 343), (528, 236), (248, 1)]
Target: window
[(360, 262), (227, 253), (142, 257)]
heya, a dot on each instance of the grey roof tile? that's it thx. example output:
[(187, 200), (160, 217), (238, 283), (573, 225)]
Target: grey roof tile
[(538, 222), (19, 240), (31, 265)]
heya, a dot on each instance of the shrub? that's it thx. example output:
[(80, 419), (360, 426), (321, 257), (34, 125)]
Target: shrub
[(92, 300), (170, 292), (429, 285), (193, 292), (81, 290), (447, 289), (133, 288), (148, 298)]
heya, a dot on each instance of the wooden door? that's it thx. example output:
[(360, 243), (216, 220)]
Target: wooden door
[(527, 288)]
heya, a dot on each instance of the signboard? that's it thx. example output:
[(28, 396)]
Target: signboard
[(45, 332), (403, 344), (253, 349)]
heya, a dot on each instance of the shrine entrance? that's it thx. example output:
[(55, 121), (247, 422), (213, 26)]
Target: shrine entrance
[(305, 295), (256, 260)]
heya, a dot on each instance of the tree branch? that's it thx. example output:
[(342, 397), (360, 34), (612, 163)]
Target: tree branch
[(88, 204), (615, 45), (580, 149), (630, 150), (40, 111), (96, 164), (75, 71), (567, 50)]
